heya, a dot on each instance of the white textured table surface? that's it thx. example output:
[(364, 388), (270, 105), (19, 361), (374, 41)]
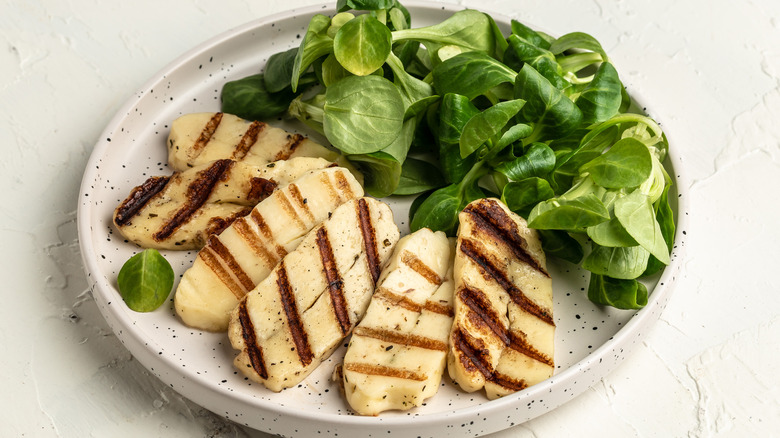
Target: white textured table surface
[(710, 69)]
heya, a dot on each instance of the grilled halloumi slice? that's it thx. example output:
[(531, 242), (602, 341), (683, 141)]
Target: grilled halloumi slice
[(200, 138), (314, 297), (182, 210), (502, 336), (235, 261), (397, 354)]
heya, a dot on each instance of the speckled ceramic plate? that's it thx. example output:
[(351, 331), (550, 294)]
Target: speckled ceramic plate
[(590, 341)]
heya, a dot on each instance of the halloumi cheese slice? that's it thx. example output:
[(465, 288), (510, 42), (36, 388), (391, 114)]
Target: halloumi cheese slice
[(200, 138), (502, 336), (235, 261), (314, 297), (397, 354), (182, 210)]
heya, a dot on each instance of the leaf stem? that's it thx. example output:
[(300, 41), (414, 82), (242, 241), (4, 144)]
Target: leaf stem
[(475, 173), (578, 61)]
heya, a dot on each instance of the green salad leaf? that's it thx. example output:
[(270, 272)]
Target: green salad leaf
[(145, 281), (362, 45), (622, 294), (362, 114)]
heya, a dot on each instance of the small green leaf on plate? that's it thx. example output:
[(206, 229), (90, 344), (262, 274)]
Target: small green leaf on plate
[(145, 281)]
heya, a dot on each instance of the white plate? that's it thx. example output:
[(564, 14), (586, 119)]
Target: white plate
[(590, 341)]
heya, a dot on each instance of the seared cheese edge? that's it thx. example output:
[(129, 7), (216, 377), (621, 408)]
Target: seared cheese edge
[(198, 138), (397, 354), (503, 332), (298, 315), (233, 263), (181, 211)]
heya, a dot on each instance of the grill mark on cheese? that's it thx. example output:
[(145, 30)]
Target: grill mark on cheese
[(519, 343), (369, 239), (489, 269), (397, 338), (482, 313), (211, 260), (474, 357), (405, 303), (490, 218), (334, 280), (328, 185), (205, 135), (508, 382), (379, 370), (196, 195), (253, 350), (300, 201), (217, 225), (260, 188), (418, 266), (342, 190), (471, 352), (262, 226), (288, 208), (293, 141), (298, 333), (441, 309), (224, 253), (248, 140), (257, 245), (343, 185), (138, 198)]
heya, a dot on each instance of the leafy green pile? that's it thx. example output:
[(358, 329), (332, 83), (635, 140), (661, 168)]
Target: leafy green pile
[(457, 111)]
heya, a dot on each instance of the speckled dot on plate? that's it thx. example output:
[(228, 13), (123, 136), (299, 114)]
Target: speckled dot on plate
[(590, 341)]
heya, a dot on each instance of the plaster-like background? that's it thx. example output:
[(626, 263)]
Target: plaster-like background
[(710, 69)]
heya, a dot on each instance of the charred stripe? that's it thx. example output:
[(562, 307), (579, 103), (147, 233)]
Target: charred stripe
[(483, 311), (418, 266), (206, 133), (224, 253), (253, 350), (248, 140), (288, 208), (397, 300), (301, 202), (262, 226), (407, 339), (381, 370), (369, 239), (335, 282), (138, 198), (198, 192), (405, 303), (471, 353), (519, 343), (260, 188), (293, 141), (489, 217), (211, 260), (489, 269), (343, 184), (508, 382), (324, 178), (253, 241), (218, 224), (440, 308), (297, 331), (474, 357)]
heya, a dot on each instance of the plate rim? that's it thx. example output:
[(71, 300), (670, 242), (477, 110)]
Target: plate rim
[(641, 318)]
